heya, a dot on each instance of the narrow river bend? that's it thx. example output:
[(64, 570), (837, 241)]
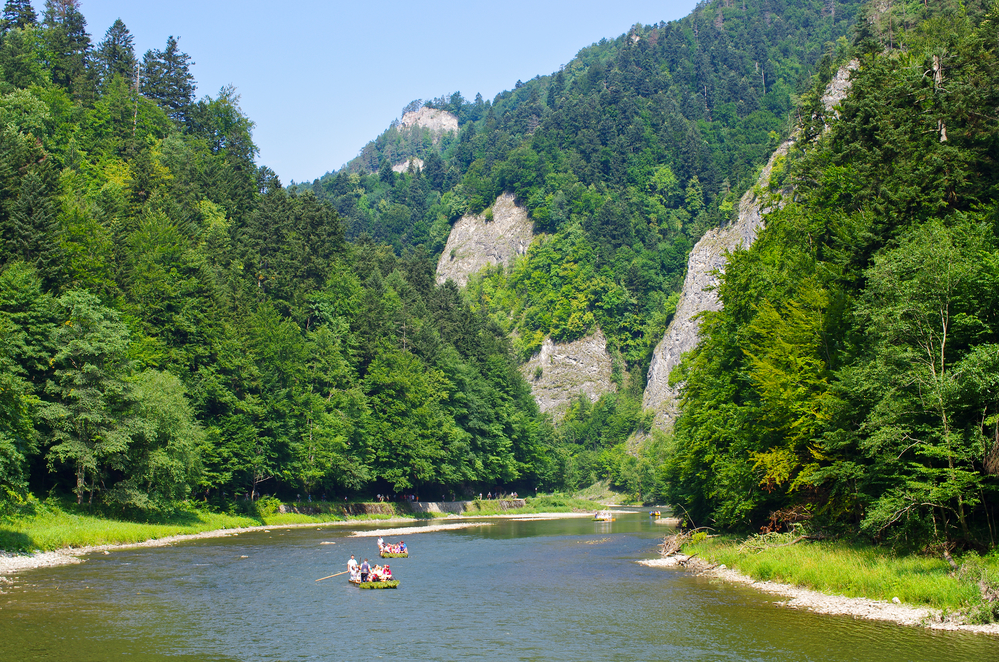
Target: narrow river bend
[(515, 590)]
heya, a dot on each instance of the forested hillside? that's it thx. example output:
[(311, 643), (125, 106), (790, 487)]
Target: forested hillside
[(852, 378), (623, 159), (175, 323)]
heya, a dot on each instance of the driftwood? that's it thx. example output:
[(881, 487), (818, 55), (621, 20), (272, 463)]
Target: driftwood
[(674, 543)]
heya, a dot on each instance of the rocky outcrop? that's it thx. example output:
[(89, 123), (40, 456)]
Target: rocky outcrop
[(560, 371), (438, 121), (705, 264), (417, 164), (476, 241)]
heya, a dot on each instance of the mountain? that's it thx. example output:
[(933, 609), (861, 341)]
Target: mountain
[(848, 377), (475, 302)]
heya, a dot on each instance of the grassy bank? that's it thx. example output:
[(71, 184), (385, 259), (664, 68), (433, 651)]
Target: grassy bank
[(51, 527), (541, 504), (856, 570), (54, 525)]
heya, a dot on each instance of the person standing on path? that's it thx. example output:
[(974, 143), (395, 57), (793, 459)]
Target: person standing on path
[(365, 569)]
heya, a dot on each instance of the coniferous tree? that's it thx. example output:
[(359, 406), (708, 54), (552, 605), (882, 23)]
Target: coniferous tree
[(167, 80), (35, 226), (116, 54), (17, 14), (68, 43)]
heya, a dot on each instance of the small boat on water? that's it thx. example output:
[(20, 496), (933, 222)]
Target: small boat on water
[(385, 583), (392, 551), (603, 516), (655, 514)]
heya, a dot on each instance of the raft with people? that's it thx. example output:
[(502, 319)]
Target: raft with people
[(390, 551), (603, 516), (364, 576), (384, 583)]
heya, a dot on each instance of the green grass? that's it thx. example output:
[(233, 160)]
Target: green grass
[(850, 569), (51, 527), (542, 504)]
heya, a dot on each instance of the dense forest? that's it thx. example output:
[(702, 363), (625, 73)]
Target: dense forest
[(852, 378), (175, 323), (623, 158)]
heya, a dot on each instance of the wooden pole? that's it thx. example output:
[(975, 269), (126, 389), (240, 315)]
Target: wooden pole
[(336, 575)]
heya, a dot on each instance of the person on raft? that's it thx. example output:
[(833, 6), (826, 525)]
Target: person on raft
[(365, 570), (380, 574)]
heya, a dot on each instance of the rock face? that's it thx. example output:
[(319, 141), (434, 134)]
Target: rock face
[(475, 242), (439, 121), (404, 166), (707, 260), (561, 371)]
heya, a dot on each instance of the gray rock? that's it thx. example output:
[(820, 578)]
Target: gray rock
[(706, 262), (475, 242), (560, 371)]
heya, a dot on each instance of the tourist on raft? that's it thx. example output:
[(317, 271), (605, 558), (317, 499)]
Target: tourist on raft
[(380, 574), (400, 548)]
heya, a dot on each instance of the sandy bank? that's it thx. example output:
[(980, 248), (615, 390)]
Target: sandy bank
[(14, 563), (821, 603), (411, 530)]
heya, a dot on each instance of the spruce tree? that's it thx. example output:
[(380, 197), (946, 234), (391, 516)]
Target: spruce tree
[(68, 43), (17, 14), (167, 80), (35, 225), (116, 54)]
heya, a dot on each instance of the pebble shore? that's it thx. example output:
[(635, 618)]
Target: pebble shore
[(821, 603)]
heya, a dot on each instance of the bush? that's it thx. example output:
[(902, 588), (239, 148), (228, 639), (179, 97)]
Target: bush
[(268, 505)]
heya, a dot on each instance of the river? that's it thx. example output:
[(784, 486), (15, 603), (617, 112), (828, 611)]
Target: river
[(514, 590)]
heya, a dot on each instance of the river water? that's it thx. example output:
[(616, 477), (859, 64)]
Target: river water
[(514, 590)]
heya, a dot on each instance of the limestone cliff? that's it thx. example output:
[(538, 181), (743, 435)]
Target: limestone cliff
[(438, 121), (707, 260), (475, 241), (416, 163), (561, 371)]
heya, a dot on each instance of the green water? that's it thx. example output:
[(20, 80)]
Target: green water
[(538, 590)]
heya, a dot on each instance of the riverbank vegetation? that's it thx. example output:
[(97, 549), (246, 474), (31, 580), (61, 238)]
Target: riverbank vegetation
[(57, 524), (860, 569)]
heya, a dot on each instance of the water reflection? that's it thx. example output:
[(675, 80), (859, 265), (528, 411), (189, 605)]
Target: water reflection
[(515, 590)]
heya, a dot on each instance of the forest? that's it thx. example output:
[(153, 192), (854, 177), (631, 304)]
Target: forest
[(174, 323), (851, 381), (177, 324)]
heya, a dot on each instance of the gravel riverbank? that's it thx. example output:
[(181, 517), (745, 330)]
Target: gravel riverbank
[(821, 603)]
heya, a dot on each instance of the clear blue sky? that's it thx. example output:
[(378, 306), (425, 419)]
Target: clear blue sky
[(321, 79)]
